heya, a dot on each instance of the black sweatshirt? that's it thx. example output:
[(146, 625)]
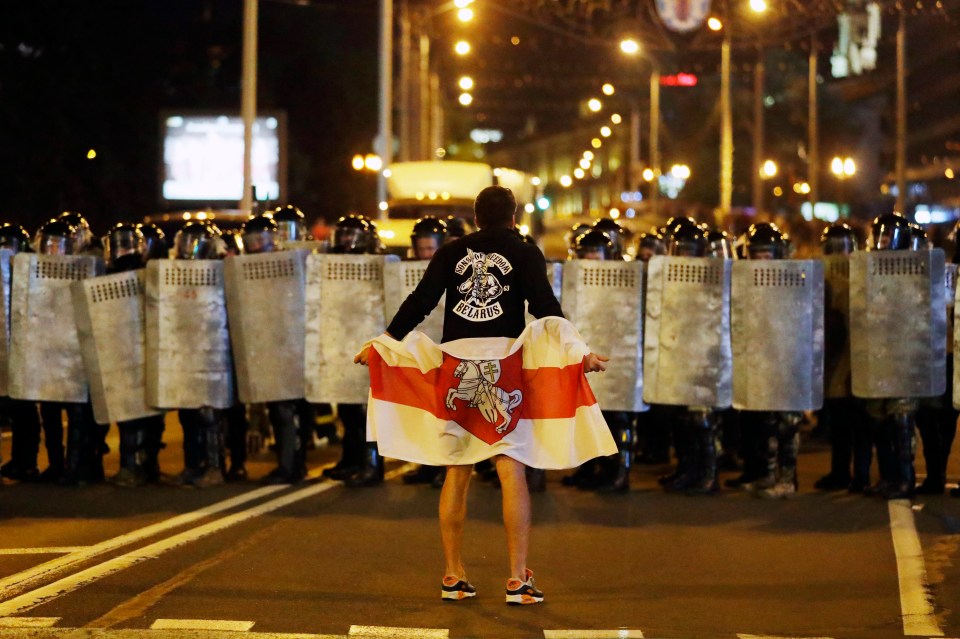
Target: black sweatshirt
[(487, 276)]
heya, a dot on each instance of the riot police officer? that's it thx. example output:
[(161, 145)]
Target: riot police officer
[(155, 242), (24, 419), (849, 434), (648, 245), (261, 234), (83, 461), (608, 474), (616, 233), (894, 418), (84, 241), (772, 437), (126, 250), (202, 427), (360, 462)]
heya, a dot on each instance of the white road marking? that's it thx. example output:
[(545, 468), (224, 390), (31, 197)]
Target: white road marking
[(619, 633), (48, 592), (915, 604), (55, 550), (22, 581), (144, 633), (743, 636), (388, 632), (28, 622), (202, 624)]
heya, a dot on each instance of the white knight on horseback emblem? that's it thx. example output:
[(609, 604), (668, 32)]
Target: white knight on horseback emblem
[(478, 379)]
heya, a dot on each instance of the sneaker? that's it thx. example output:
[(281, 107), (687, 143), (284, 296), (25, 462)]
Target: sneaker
[(780, 490), (523, 592), (455, 589)]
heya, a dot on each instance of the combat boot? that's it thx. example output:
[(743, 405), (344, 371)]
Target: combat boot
[(903, 443), (706, 454), (619, 482), (371, 473)]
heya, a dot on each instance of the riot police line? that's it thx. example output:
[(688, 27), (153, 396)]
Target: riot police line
[(124, 340)]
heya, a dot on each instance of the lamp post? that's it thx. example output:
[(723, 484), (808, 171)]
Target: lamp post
[(843, 168), (632, 48)]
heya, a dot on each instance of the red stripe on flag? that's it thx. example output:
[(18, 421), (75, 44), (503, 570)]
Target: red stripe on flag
[(548, 392)]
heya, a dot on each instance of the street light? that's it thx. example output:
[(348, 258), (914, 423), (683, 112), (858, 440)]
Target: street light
[(605, 131), (616, 119), (372, 162), (588, 156), (565, 181), (466, 99), (594, 105), (844, 169), (466, 83), (758, 6), (465, 15), (462, 47), (608, 89), (769, 169), (630, 46), (357, 162), (714, 24)]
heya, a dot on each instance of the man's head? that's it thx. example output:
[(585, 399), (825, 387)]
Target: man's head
[(495, 207), (595, 245), (889, 232), (765, 241), (428, 234), (838, 239)]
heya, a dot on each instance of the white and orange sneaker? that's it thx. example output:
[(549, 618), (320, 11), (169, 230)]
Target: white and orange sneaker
[(455, 589), (523, 592)]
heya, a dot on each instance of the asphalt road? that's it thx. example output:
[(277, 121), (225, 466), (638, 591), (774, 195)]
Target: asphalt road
[(321, 559)]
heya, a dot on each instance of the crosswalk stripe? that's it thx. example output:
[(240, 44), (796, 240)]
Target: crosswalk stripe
[(202, 624), (398, 633), (619, 633), (28, 622), (55, 550), (915, 605)]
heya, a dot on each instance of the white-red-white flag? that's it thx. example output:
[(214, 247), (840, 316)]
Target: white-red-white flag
[(465, 401)]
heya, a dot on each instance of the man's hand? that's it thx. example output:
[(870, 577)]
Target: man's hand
[(362, 357), (593, 363)]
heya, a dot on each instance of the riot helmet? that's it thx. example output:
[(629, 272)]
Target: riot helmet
[(351, 234), (156, 242), (260, 235), (14, 237), (838, 239), (198, 241), (648, 245), (675, 223), (232, 242), (719, 244), (595, 245), (687, 240), (125, 247), (82, 235), (291, 223), (765, 242), (56, 237), (918, 237), (614, 231), (428, 235), (889, 232)]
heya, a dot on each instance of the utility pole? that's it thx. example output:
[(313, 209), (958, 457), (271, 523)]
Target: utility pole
[(248, 99), (386, 94)]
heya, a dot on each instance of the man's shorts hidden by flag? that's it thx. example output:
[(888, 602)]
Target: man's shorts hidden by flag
[(467, 400)]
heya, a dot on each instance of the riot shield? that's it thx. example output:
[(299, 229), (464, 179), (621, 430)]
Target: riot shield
[(555, 277), (345, 308), (265, 307), (687, 358), (109, 313), (399, 280), (6, 270), (310, 246), (604, 300), (777, 335), (836, 326), (898, 323), (45, 361), (188, 347), (949, 299)]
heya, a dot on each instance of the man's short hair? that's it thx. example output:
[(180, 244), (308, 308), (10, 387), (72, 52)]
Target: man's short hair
[(494, 207)]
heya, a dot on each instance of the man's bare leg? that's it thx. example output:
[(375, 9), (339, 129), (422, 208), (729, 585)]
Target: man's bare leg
[(516, 512), (453, 512)]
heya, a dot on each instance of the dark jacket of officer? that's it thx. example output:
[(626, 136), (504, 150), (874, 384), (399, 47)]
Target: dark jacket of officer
[(487, 276)]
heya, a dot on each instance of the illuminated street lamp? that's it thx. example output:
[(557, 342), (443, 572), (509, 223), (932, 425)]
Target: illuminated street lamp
[(588, 155), (768, 170), (578, 173), (465, 99), (462, 47), (565, 181), (466, 83), (357, 162), (844, 169), (596, 143), (465, 15), (605, 131), (372, 162), (584, 164), (608, 89), (681, 171), (594, 104), (758, 6), (714, 24), (648, 175), (616, 118), (630, 46), (460, 4)]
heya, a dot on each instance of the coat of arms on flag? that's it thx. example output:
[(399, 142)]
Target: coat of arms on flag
[(468, 400)]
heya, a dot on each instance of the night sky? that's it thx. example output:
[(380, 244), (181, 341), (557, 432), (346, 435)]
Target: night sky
[(96, 74)]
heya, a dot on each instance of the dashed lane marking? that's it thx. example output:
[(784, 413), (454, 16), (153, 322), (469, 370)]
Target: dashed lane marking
[(619, 633), (29, 622), (24, 580), (202, 624), (66, 585), (387, 632), (55, 550), (915, 604)]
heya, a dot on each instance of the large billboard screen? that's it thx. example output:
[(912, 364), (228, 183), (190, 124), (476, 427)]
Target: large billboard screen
[(203, 157)]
